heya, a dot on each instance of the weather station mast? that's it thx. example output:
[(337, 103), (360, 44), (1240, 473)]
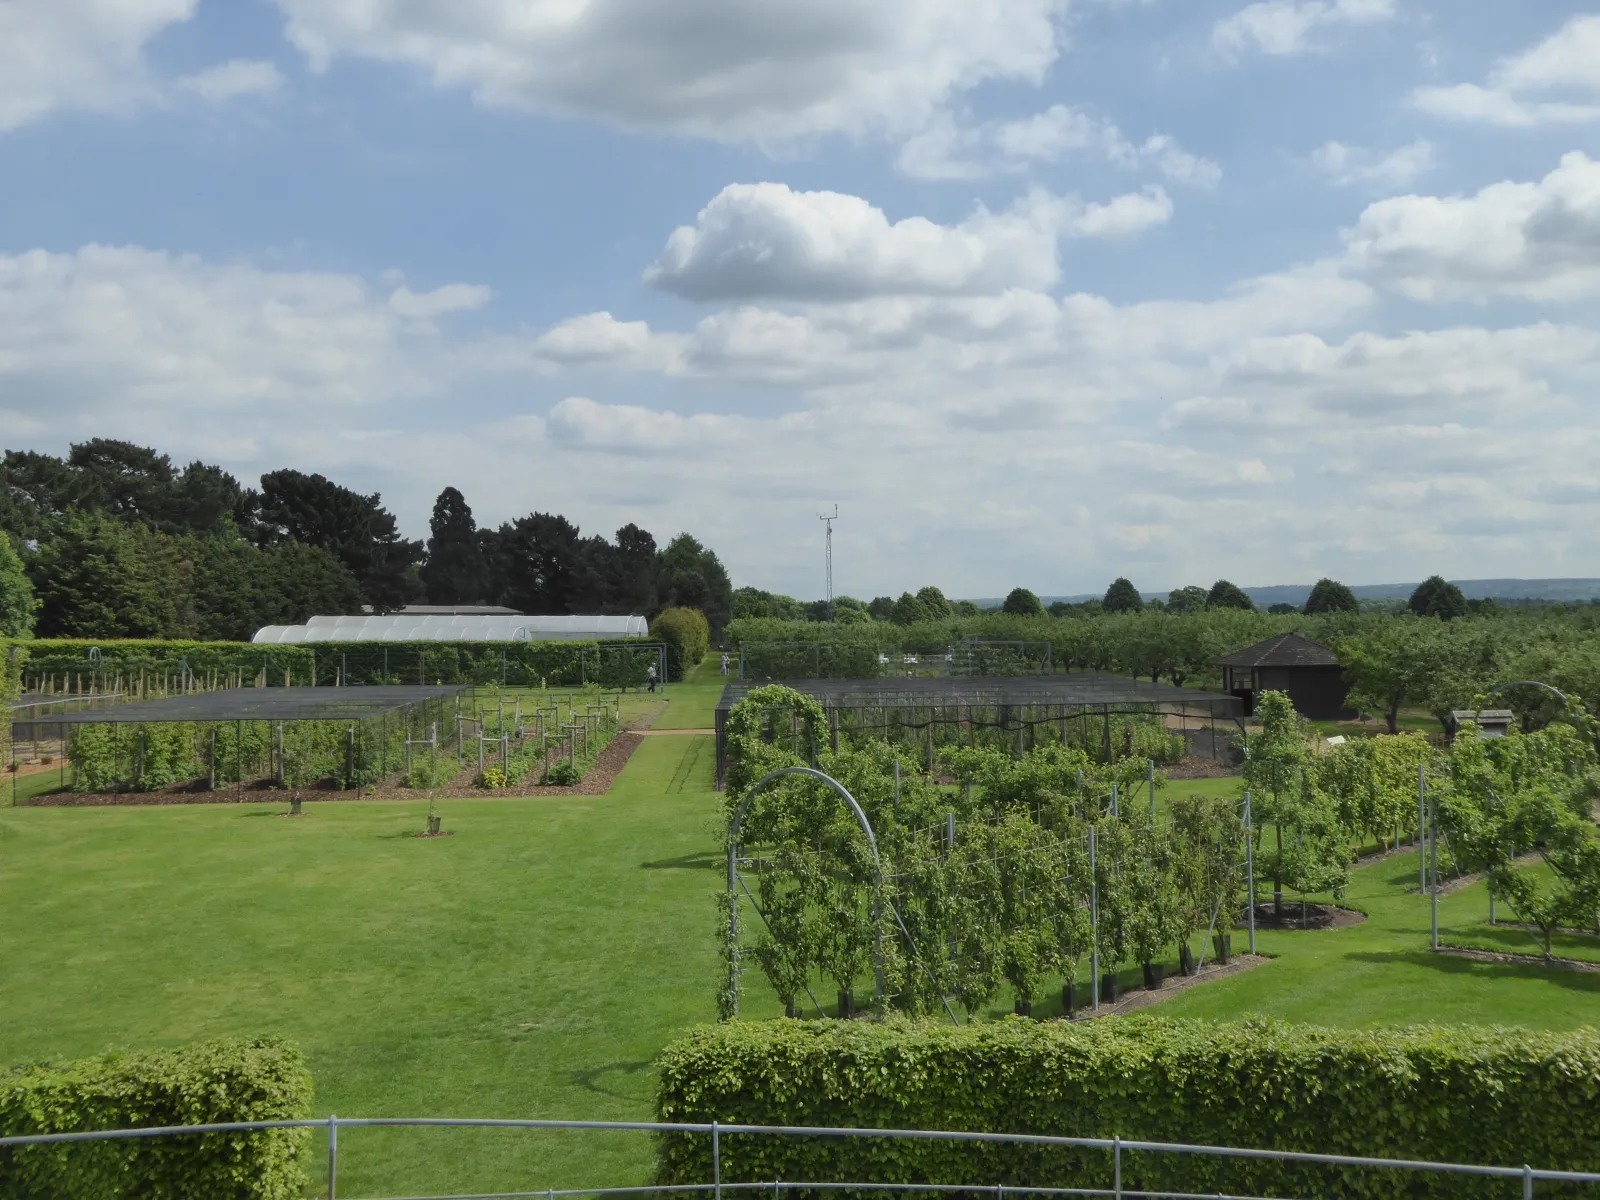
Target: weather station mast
[(828, 519)]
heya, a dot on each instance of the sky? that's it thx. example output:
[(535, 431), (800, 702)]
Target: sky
[(1038, 292)]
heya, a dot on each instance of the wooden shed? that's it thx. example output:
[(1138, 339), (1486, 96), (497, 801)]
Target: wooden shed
[(1309, 672)]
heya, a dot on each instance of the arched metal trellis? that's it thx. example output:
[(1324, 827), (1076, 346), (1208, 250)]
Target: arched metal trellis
[(735, 824)]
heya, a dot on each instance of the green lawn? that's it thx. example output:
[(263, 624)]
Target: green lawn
[(531, 965)]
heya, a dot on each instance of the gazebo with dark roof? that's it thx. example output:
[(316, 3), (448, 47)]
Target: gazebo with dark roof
[(1308, 671)]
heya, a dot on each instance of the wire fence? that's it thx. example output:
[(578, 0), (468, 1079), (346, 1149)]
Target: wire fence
[(726, 1177)]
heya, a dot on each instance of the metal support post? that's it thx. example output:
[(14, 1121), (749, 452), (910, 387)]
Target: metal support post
[(1094, 925), (333, 1156), (1250, 868), (213, 759), (897, 788), (716, 1162), (1422, 830), (1433, 871), (1116, 1180)]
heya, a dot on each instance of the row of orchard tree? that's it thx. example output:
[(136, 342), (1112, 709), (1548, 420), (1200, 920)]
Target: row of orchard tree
[(1392, 661), (1001, 869)]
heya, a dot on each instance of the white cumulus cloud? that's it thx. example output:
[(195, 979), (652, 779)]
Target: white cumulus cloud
[(78, 54), (1352, 165), (763, 239), (1536, 241), (1282, 27), (1556, 81), (236, 77), (452, 297), (949, 149), (717, 68)]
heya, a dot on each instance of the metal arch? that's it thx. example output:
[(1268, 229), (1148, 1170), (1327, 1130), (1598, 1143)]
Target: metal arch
[(1555, 691), (737, 821), (734, 826)]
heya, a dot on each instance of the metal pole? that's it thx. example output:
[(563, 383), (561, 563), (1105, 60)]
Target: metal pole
[(1527, 1182), (1250, 868), (333, 1155), (1094, 926), (1422, 829), (1433, 869), (1152, 789), (897, 787), (733, 920), (1116, 1181), (716, 1161)]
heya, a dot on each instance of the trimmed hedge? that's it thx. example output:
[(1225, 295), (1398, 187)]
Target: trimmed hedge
[(213, 1082), (521, 664), (1467, 1095), (687, 634)]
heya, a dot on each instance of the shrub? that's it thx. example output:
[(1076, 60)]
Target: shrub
[(1476, 1095), (563, 774), (264, 1079), (687, 635), (493, 778)]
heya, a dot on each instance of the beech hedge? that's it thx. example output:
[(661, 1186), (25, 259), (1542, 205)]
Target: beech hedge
[(1450, 1094), (213, 1082)]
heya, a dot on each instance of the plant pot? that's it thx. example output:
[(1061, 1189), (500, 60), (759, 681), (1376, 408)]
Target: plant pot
[(1155, 974), (1069, 998), (1223, 942), (847, 1004), (1023, 1008), (1185, 960), (1108, 988), (433, 823)]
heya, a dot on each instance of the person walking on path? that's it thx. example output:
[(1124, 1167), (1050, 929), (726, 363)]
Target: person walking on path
[(650, 677), (724, 663)]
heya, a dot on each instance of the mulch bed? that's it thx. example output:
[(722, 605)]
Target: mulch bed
[(1315, 916), (1520, 960), (1175, 984), (596, 782), (1195, 767)]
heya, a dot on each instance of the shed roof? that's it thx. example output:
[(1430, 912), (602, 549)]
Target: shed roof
[(1285, 650)]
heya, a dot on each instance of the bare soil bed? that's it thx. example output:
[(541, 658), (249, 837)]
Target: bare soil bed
[(1313, 916), (1144, 997), (596, 782)]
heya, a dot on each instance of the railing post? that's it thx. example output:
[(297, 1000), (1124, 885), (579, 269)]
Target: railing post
[(333, 1155), (716, 1161), (1116, 1181), (1527, 1182)]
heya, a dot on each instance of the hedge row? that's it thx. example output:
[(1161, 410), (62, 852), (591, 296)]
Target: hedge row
[(66, 661), (1466, 1095), (210, 1083)]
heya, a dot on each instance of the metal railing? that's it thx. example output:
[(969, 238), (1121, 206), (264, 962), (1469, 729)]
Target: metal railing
[(1116, 1147)]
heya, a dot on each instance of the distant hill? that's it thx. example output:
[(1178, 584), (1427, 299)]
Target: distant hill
[(1554, 590)]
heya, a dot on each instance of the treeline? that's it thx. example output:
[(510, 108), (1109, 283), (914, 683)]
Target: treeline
[(1435, 598), (115, 541)]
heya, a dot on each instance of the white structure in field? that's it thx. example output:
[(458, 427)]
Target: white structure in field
[(416, 627)]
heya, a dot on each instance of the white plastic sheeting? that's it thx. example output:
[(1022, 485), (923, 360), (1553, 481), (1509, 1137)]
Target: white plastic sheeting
[(403, 627)]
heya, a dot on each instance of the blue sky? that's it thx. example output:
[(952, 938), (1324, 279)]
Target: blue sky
[(1038, 291)]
